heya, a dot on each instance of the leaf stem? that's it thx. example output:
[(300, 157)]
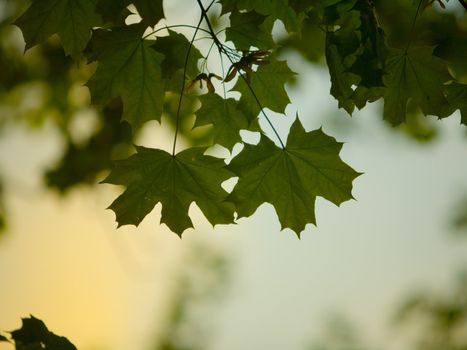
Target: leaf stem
[(177, 122), (222, 49), (409, 41), (176, 26)]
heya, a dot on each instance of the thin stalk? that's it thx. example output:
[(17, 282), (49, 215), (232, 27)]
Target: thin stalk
[(176, 26), (413, 26), (177, 122), (223, 50)]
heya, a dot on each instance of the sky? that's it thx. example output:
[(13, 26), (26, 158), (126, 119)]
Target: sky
[(64, 261)]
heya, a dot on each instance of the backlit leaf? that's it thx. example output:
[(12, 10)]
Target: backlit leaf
[(275, 8), (291, 178), (130, 68), (457, 97), (174, 48), (226, 118), (153, 176), (72, 20), (151, 11), (268, 84), (418, 75), (249, 29)]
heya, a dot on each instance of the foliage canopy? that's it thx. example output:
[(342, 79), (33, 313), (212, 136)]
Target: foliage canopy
[(410, 56)]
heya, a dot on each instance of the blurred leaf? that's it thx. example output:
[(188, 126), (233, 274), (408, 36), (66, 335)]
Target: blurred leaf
[(83, 162), (439, 320)]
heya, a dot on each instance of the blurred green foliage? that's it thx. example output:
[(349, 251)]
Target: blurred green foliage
[(201, 286), (439, 321)]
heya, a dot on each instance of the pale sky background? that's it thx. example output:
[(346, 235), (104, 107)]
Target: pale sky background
[(64, 261)]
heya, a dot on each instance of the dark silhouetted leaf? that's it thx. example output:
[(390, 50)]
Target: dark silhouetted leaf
[(34, 335)]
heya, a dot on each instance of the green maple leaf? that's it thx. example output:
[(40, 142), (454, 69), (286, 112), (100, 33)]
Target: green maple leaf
[(34, 335), (291, 178), (279, 9), (267, 84), (249, 29), (418, 75), (113, 11), (456, 94), (151, 11), (341, 79), (72, 20), (130, 68), (154, 176), (175, 47), (226, 118), (355, 53)]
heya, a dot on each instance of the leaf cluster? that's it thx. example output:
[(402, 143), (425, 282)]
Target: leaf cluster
[(151, 68)]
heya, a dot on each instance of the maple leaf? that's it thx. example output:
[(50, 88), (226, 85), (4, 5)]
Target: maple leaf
[(34, 335), (341, 79), (113, 11), (249, 29), (130, 68), (153, 176), (355, 53), (227, 120), (174, 47), (151, 11), (275, 8), (418, 75), (291, 178), (267, 84), (456, 94), (72, 20)]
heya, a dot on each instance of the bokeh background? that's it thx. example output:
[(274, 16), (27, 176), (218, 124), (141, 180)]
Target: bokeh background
[(385, 271)]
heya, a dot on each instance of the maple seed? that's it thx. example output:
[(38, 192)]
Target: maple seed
[(245, 64), (206, 78)]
